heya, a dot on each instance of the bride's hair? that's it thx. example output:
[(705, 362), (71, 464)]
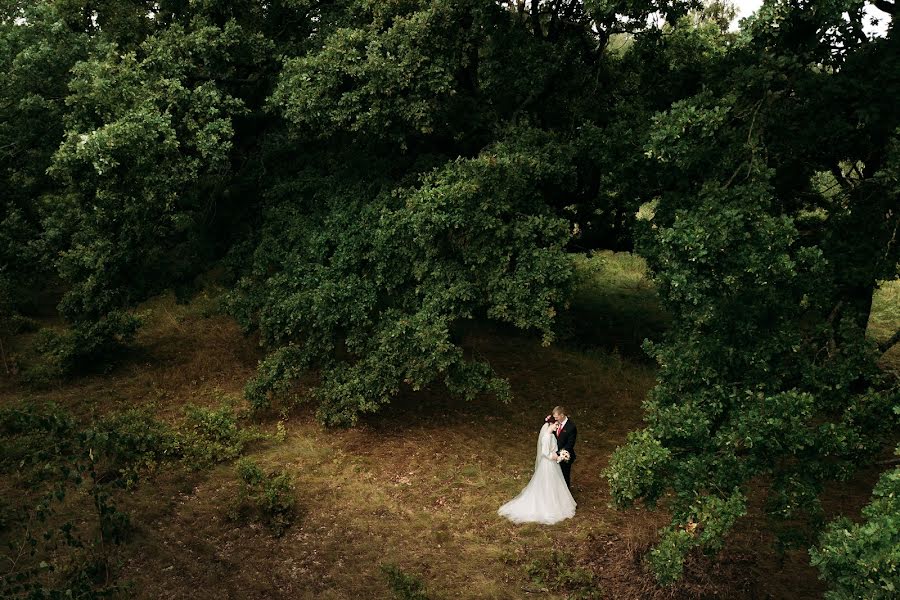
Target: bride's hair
[(549, 419)]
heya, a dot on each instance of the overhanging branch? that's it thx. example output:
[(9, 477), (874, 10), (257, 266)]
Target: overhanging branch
[(886, 6), (890, 343)]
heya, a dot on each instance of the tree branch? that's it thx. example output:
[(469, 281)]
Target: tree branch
[(536, 18), (856, 19), (552, 29), (832, 343), (888, 7), (839, 176), (3, 355), (891, 341)]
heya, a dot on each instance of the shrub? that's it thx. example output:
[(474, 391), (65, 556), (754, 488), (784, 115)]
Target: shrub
[(134, 442), (209, 436), (272, 495), (404, 586), (862, 560), (86, 347), (61, 463), (58, 464)]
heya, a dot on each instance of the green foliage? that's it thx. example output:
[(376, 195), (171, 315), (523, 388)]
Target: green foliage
[(87, 346), (637, 469), (57, 463), (135, 443), (555, 572), (396, 76), (211, 435), (769, 278), (444, 155), (35, 61), (82, 579), (383, 283), (271, 494), (403, 585), (146, 141), (132, 110), (862, 560), (710, 518), (378, 174)]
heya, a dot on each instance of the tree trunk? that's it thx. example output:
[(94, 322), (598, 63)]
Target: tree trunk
[(890, 7), (890, 343), (536, 19), (553, 28), (858, 304)]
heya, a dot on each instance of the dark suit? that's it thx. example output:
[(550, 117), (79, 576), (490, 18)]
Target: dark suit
[(565, 440)]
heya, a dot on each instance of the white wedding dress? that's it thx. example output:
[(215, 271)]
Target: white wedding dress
[(545, 499)]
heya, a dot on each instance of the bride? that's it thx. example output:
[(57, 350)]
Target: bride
[(545, 499)]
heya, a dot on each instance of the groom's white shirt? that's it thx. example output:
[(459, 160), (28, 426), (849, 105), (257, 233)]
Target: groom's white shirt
[(563, 424)]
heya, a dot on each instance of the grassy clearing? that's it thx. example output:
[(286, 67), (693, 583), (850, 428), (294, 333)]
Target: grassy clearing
[(417, 487)]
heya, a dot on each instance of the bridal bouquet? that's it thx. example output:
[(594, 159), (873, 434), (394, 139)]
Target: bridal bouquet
[(564, 456)]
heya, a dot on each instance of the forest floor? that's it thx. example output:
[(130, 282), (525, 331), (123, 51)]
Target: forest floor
[(419, 485)]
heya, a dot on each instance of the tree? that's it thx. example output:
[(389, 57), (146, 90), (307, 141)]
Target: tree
[(142, 171), (195, 130), (775, 228), (35, 58), (371, 283), (433, 181)]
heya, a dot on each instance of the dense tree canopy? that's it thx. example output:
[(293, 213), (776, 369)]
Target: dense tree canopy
[(373, 174), (777, 224)]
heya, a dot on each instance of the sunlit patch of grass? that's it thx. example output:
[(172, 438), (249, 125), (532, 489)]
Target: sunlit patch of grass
[(885, 317)]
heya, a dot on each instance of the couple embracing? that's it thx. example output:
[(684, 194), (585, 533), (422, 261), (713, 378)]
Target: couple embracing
[(547, 499)]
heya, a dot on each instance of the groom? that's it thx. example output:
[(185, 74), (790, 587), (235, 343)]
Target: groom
[(565, 440)]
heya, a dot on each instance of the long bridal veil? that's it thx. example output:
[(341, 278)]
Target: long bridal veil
[(537, 457)]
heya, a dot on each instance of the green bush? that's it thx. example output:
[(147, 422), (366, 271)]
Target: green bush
[(272, 495), (862, 560), (33, 440), (704, 524), (135, 442), (17, 323), (632, 470), (404, 586), (81, 578), (59, 464), (85, 347), (209, 436)]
